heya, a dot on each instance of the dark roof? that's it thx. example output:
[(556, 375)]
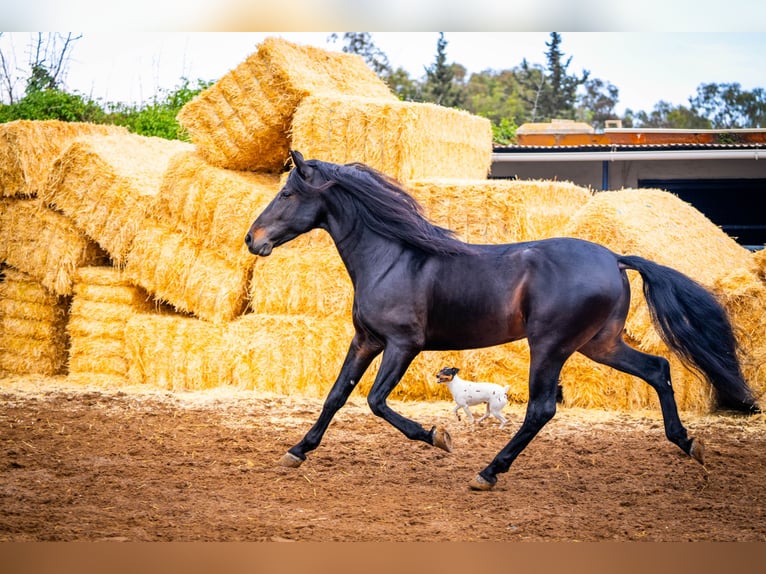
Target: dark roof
[(623, 147)]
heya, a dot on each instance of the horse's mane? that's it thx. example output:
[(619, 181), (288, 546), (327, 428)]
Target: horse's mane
[(383, 205)]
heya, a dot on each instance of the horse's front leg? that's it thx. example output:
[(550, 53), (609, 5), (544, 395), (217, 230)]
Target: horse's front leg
[(392, 368), (359, 356)]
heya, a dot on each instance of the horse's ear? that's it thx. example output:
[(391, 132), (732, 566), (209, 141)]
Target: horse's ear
[(300, 164)]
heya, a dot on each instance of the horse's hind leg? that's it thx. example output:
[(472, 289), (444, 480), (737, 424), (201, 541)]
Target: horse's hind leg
[(358, 358), (656, 372)]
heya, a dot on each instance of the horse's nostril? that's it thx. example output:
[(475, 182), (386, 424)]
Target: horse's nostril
[(248, 239)]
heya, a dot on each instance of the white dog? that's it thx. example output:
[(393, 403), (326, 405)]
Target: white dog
[(468, 394)]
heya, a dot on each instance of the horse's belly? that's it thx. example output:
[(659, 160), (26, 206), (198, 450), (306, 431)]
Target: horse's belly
[(469, 329)]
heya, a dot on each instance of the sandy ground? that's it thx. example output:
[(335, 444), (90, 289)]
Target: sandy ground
[(136, 464)]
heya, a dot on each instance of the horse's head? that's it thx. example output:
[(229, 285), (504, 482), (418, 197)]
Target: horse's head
[(296, 209)]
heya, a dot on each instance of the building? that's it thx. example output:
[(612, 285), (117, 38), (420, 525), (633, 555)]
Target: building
[(721, 172)]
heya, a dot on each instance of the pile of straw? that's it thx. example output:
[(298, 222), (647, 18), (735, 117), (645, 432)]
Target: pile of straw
[(302, 280), (659, 226), (44, 244), (181, 271), (759, 263), (405, 140), (242, 121), (500, 210), (175, 352), (29, 148), (33, 322), (102, 304), (214, 206), (105, 185)]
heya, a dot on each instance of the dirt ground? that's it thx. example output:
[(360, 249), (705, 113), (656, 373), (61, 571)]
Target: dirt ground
[(94, 464)]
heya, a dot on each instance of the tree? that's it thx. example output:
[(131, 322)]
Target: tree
[(551, 92), (441, 86), (597, 104), (361, 43), (157, 118), (728, 106), (48, 57), (666, 115)]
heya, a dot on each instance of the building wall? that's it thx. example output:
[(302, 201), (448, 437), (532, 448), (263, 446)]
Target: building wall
[(625, 174)]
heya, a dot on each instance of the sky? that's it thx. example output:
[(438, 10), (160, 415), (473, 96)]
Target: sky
[(131, 66)]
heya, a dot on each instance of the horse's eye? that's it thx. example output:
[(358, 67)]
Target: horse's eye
[(285, 193)]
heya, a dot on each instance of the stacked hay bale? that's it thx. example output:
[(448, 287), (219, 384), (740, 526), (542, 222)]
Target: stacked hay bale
[(44, 244), (103, 302), (191, 252), (500, 210), (405, 140), (659, 226), (176, 352), (242, 122), (105, 184), (32, 326), (29, 148)]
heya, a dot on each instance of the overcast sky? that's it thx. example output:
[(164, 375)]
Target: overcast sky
[(646, 66)]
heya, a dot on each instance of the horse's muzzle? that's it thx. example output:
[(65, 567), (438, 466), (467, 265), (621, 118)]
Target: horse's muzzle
[(258, 243)]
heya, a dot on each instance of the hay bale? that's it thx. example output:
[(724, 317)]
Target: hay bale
[(44, 244), (190, 277), (298, 280), (405, 140), (105, 185), (242, 121), (659, 226), (743, 294), (29, 148), (499, 210), (103, 302), (289, 354), (212, 205), (33, 322), (759, 263), (175, 352), (235, 126)]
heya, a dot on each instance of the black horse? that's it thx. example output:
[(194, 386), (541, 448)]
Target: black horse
[(417, 287)]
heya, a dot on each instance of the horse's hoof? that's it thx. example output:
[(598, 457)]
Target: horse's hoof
[(480, 483), (290, 460), (442, 439), (697, 451)]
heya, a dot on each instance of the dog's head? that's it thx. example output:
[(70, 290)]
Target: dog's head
[(446, 374)]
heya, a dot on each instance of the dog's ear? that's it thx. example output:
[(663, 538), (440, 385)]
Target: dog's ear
[(455, 370)]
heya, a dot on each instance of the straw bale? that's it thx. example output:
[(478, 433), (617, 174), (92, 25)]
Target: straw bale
[(28, 149), (405, 140), (176, 352), (44, 243), (298, 281), (32, 326), (213, 205), (290, 72), (743, 293), (103, 302), (759, 263), (500, 210), (289, 354), (660, 226), (187, 275), (234, 125), (105, 185)]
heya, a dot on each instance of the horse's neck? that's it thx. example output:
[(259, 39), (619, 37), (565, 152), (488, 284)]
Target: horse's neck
[(361, 249)]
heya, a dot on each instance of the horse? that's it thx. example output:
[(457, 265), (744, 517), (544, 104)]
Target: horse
[(418, 287)]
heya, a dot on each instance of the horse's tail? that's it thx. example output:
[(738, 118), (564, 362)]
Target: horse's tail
[(696, 326)]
